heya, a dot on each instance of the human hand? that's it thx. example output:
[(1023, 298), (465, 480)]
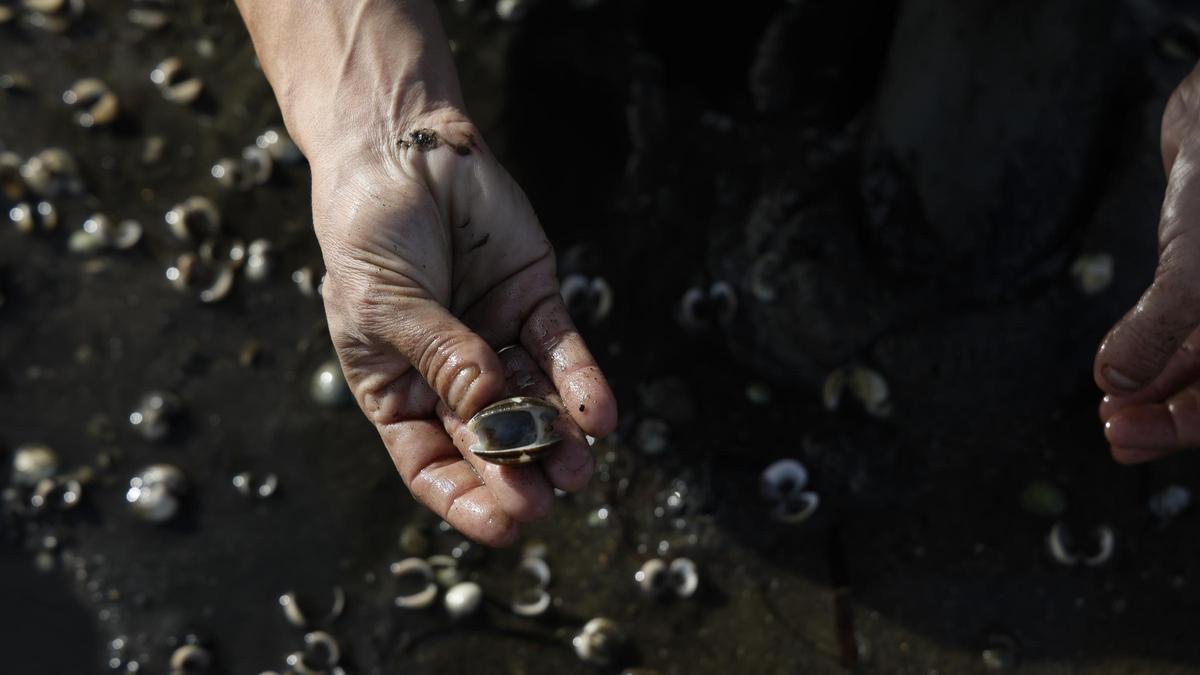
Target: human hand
[(435, 258), (1149, 364)]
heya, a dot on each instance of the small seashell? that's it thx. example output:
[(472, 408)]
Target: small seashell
[(512, 10), (587, 299), (866, 385), (291, 610), (321, 650), (683, 577), (258, 260), (421, 572), (155, 414), (52, 173), (445, 569), (32, 464), (194, 218), (154, 494), (172, 79), (537, 569), (1093, 272), (257, 166), (782, 484), (328, 385), (701, 309), (1063, 550), (652, 577), (463, 599), (96, 105), (228, 173), (531, 602), (149, 14), (190, 659), (783, 478), (599, 642)]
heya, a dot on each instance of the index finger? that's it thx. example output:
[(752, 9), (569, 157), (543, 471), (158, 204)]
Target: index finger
[(551, 338)]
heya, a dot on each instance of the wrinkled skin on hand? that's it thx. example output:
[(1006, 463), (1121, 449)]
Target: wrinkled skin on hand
[(1149, 364), (435, 260)]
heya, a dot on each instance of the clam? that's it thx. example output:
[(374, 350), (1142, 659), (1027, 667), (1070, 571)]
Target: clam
[(514, 430)]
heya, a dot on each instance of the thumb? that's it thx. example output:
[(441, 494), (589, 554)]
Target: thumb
[(459, 365), (1138, 347)]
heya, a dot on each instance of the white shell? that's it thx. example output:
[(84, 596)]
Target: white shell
[(463, 599)]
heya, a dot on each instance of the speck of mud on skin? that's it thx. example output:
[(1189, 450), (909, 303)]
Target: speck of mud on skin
[(428, 139)]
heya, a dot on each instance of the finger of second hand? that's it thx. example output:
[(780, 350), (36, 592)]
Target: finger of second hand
[(521, 489)]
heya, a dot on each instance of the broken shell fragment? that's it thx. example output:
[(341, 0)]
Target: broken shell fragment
[(95, 103), (514, 430)]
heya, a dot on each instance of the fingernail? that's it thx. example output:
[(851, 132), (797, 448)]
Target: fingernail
[(1119, 380), (460, 386)]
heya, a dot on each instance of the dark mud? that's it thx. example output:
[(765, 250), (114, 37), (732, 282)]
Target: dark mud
[(860, 145)]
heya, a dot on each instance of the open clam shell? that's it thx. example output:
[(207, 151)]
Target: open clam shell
[(514, 430)]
